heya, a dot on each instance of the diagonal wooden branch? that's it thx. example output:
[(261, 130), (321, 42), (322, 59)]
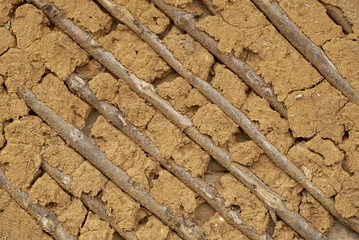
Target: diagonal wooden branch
[(93, 204), (208, 4), (97, 207), (187, 22), (79, 86), (206, 89), (46, 219), (338, 16), (314, 54), (89, 150), (142, 88), (147, 91)]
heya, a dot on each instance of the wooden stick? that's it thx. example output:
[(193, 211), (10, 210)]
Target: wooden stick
[(89, 150), (111, 113), (46, 219), (208, 4), (187, 22), (253, 80), (147, 91), (305, 46), (338, 16), (98, 207), (93, 204), (281, 161)]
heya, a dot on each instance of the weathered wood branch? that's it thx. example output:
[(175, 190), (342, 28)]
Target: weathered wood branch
[(281, 161), (89, 150), (338, 16), (111, 113), (147, 91), (314, 54), (46, 219), (98, 207), (93, 204), (208, 4), (187, 22)]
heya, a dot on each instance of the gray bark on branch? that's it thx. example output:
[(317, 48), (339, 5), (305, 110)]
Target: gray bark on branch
[(314, 54), (89, 150), (93, 204), (46, 219), (97, 207), (79, 87), (338, 16), (148, 92), (187, 22)]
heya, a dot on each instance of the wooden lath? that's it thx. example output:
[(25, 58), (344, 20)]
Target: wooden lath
[(272, 201), (314, 54), (79, 87), (89, 150), (45, 218), (92, 203)]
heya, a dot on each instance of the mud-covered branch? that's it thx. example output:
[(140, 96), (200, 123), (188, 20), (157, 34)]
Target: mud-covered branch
[(82, 38), (338, 16), (98, 207), (305, 46), (89, 150), (206, 89), (46, 219), (147, 91), (93, 204), (187, 22), (208, 4), (79, 86)]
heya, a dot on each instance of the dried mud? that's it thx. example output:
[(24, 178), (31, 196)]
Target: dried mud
[(320, 135)]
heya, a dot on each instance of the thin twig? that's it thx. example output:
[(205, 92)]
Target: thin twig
[(147, 91), (89, 150), (281, 161), (187, 22), (43, 217), (93, 204), (305, 46), (79, 86)]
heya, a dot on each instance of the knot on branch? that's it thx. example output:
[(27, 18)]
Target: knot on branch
[(235, 216), (67, 181), (146, 87), (48, 224), (268, 91), (52, 11), (183, 18), (192, 229), (75, 83), (76, 135)]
